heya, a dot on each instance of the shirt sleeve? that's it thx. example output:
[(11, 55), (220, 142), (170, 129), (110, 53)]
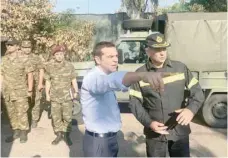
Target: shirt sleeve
[(99, 84), (196, 96), (73, 73), (136, 105), (28, 66), (40, 64), (47, 73)]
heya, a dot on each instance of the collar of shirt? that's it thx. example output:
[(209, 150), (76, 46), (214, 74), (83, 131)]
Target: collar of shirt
[(59, 64), (150, 65), (98, 69), (12, 60)]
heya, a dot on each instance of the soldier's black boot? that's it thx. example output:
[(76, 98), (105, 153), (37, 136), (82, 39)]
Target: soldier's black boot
[(16, 135), (23, 136), (57, 139), (34, 124), (66, 137)]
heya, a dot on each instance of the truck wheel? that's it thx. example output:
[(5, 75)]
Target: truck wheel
[(137, 24), (215, 111)]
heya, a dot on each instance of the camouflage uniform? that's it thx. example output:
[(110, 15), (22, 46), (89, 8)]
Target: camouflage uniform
[(15, 91), (60, 77), (36, 98), (37, 63)]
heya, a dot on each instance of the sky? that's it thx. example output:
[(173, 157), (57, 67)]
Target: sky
[(97, 6)]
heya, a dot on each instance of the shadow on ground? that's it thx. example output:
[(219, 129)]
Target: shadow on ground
[(76, 150), (130, 144), (199, 120), (5, 147), (201, 151), (5, 131)]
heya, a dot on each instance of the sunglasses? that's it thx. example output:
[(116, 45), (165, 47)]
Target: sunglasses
[(9, 44)]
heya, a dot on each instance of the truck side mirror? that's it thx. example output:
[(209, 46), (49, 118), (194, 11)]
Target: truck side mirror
[(120, 56)]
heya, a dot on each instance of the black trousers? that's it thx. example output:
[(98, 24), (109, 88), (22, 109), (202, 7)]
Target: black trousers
[(157, 148), (100, 147)]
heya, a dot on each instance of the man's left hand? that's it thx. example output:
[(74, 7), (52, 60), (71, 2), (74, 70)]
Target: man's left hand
[(40, 87), (185, 116), (29, 94), (75, 95)]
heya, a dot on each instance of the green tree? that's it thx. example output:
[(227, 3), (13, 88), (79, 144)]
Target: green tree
[(211, 5), (35, 20), (197, 6), (136, 8), (182, 6)]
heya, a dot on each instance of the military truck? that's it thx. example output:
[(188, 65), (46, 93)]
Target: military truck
[(197, 39)]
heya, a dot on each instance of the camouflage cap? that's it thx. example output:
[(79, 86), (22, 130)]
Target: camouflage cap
[(157, 40), (26, 44), (58, 48), (12, 42)]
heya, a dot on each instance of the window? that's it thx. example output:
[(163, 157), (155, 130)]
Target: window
[(133, 51)]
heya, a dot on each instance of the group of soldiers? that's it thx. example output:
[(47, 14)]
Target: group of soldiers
[(23, 76)]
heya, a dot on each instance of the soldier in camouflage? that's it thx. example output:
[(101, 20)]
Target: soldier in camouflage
[(60, 76), (17, 81), (38, 76)]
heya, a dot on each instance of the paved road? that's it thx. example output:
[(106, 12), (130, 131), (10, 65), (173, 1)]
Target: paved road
[(204, 141)]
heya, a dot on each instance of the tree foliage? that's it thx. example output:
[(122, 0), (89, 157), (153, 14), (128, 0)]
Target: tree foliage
[(136, 8), (199, 6), (211, 5), (34, 20), (181, 7)]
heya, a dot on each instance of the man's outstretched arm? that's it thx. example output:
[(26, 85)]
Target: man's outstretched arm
[(117, 81)]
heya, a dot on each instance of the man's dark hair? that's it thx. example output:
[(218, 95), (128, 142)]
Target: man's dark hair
[(101, 45)]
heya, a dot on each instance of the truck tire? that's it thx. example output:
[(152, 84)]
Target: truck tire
[(215, 111), (137, 24)]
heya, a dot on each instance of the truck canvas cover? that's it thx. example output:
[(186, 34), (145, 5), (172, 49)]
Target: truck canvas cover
[(198, 39)]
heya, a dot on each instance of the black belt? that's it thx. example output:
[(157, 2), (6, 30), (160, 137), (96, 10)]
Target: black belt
[(102, 135)]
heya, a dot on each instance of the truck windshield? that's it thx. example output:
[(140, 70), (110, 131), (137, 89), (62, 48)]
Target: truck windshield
[(133, 51)]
